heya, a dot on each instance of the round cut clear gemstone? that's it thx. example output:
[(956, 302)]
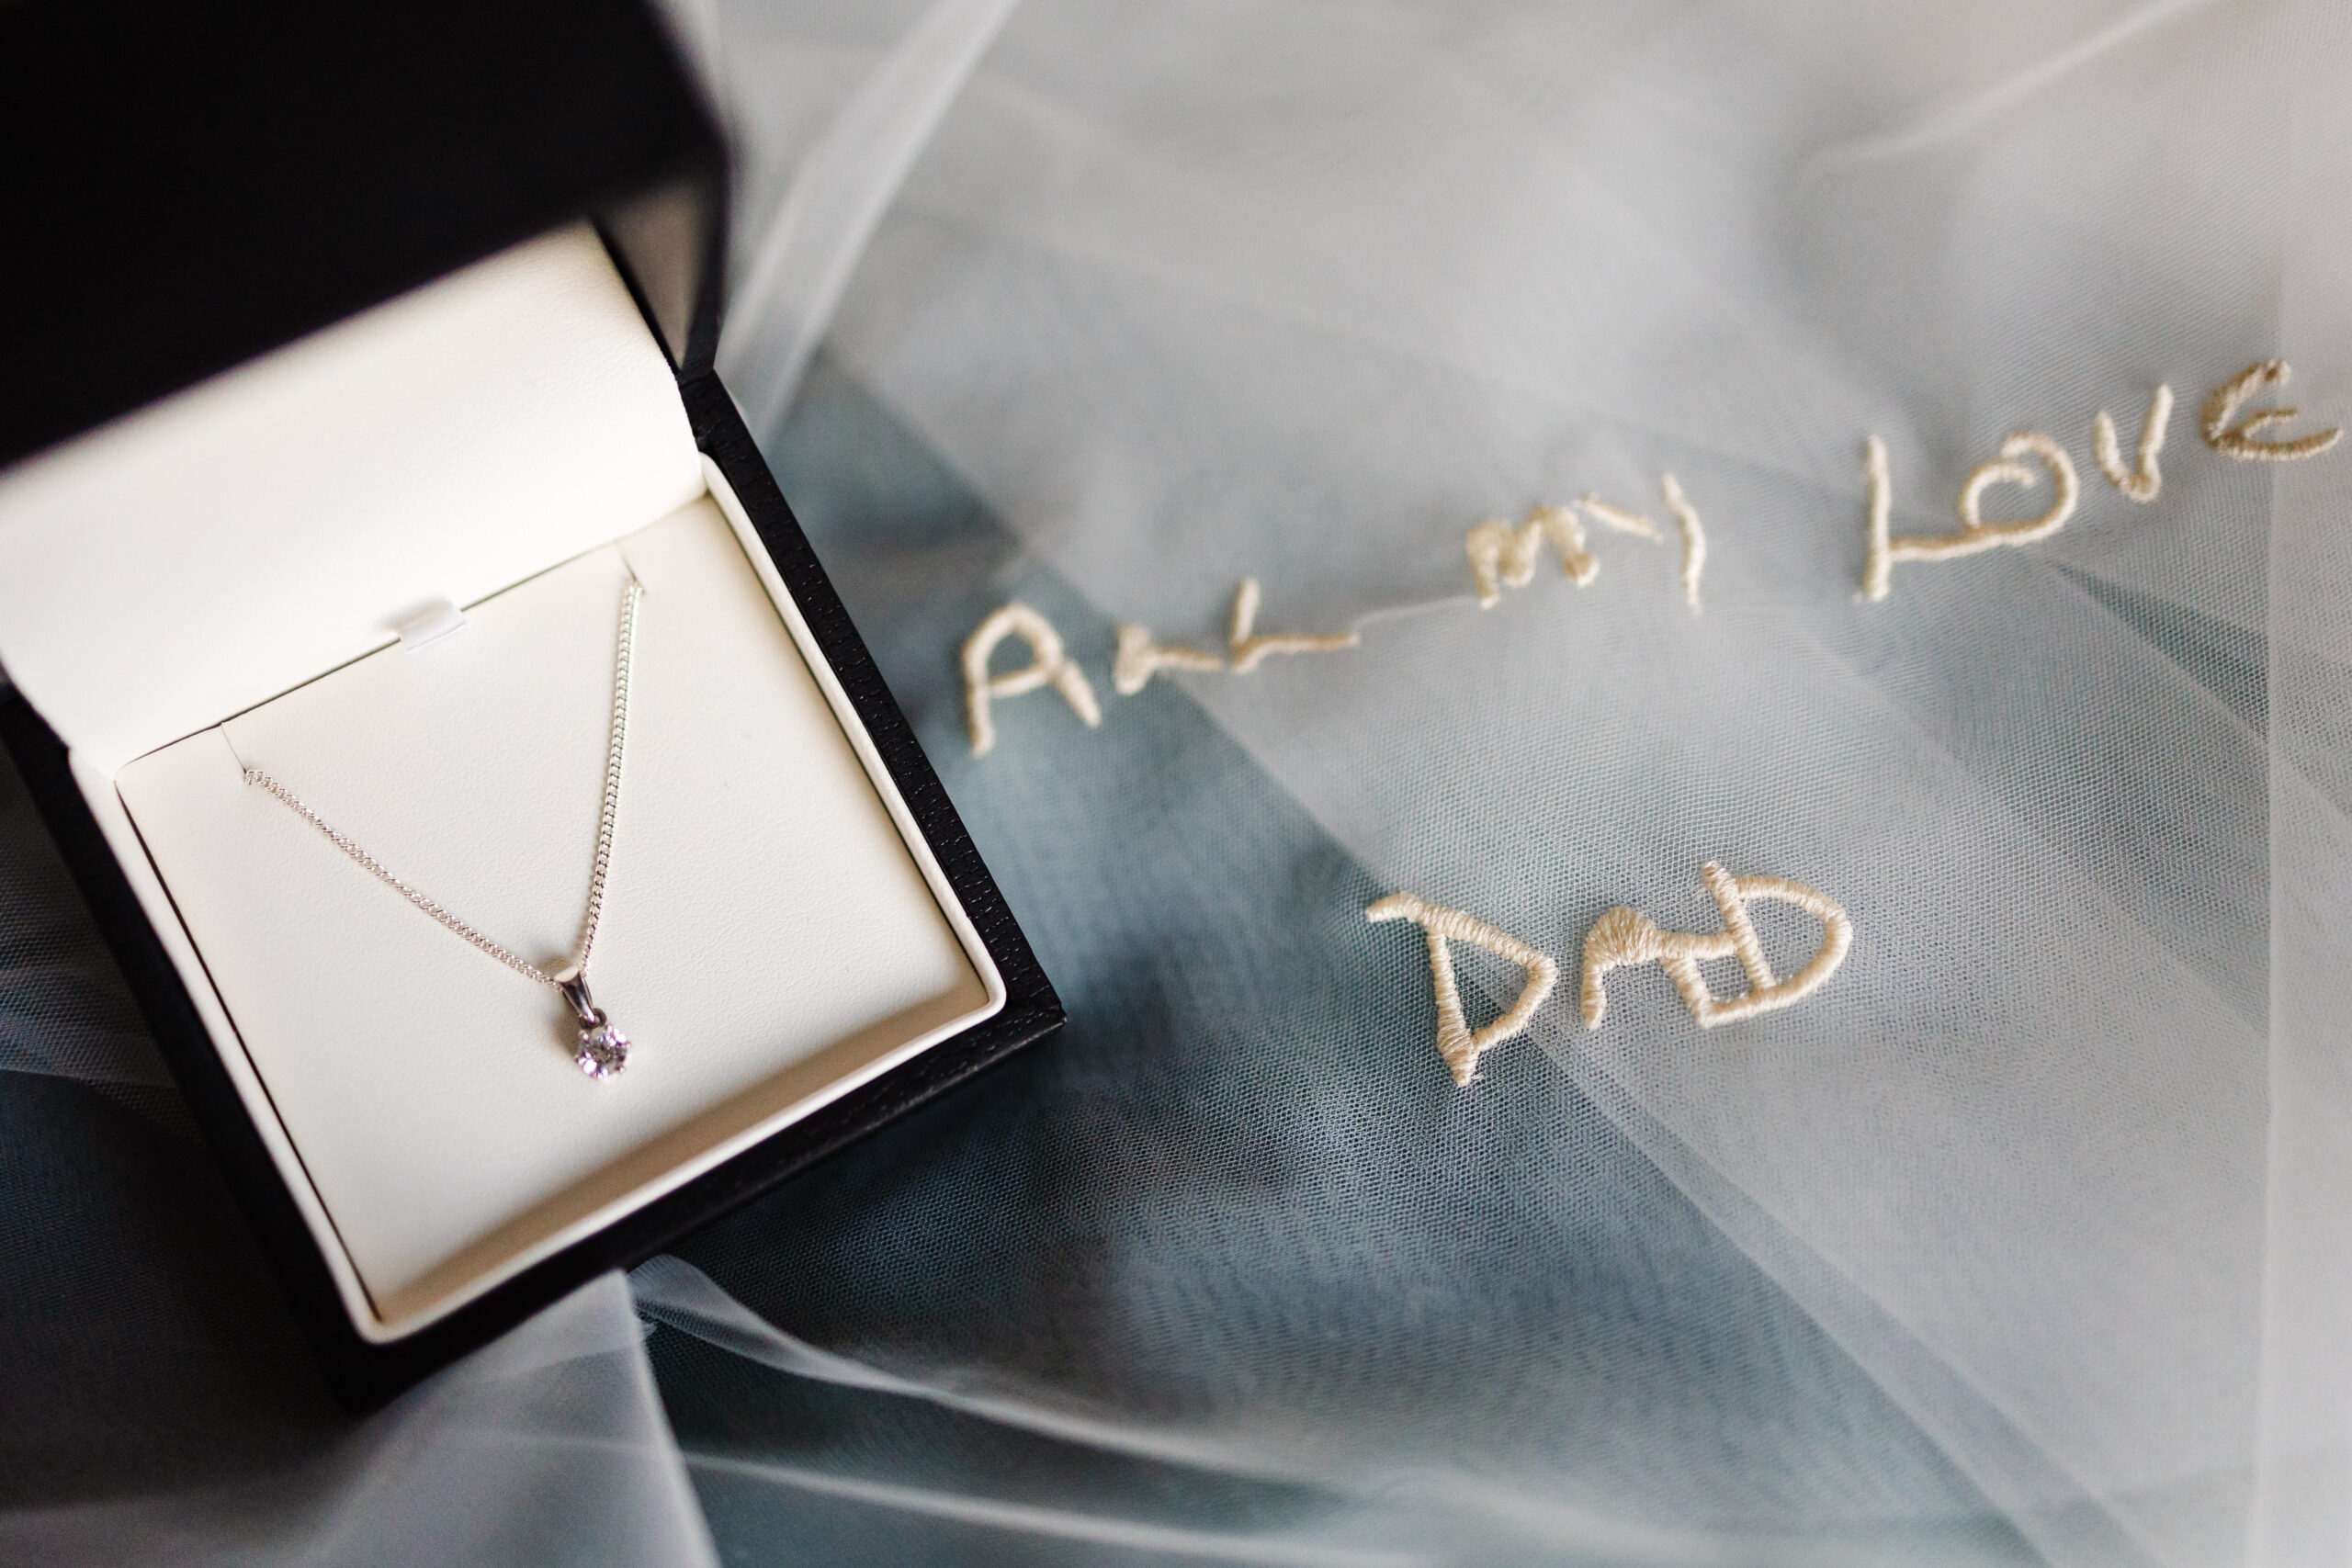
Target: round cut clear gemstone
[(603, 1052)]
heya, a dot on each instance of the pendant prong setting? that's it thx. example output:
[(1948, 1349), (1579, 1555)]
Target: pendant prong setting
[(602, 1051)]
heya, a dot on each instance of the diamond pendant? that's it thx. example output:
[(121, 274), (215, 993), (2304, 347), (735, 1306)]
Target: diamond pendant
[(603, 1050)]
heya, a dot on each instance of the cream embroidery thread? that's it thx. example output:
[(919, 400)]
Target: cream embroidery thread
[(1694, 538), (1625, 936), (1248, 649), (1880, 563), (2238, 440), (1457, 1041), (1978, 534), (1617, 517), (1974, 532), (1503, 557), (2142, 484), (1051, 666), (1139, 659)]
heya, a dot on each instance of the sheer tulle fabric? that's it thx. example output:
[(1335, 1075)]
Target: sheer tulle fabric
[(1301, 293)]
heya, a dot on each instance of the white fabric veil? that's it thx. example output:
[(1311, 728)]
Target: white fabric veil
[(1300, 292)]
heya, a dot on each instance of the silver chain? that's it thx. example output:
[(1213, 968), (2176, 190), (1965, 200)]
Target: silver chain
[(611, 809)]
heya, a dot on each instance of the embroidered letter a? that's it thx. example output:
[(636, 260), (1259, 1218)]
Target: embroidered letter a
[(1052, 667)]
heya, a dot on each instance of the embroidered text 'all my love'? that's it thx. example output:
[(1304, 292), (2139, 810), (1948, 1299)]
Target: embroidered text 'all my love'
[(1504, 555)]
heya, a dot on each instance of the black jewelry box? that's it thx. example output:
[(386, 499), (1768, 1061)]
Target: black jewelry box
[(193, 189)]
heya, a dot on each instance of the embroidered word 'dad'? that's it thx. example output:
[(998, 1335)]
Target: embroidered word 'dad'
[(1625, 936), (1457, 1041), (1622, 937)]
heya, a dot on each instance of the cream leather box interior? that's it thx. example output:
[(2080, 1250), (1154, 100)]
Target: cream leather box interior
[(216, 582)]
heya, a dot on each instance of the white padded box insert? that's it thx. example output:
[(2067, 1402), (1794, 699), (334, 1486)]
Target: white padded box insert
[(765, 934), (232, 541), (215, 581)]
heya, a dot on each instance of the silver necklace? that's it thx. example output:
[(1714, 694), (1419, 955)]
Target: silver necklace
[(603, 1050)]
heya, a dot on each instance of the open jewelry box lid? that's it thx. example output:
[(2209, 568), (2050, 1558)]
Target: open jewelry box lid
[(212, 185), (188, 186)]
